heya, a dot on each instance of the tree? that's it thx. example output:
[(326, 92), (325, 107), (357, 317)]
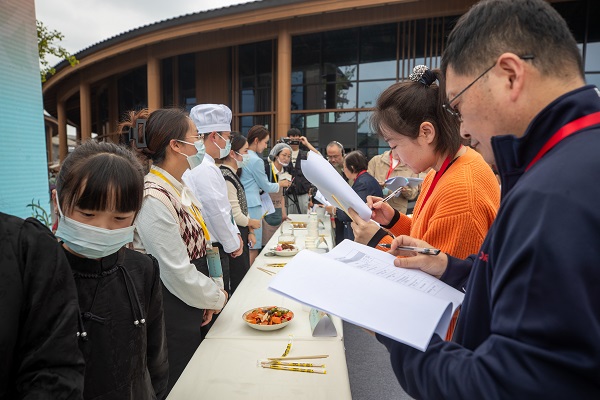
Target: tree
[(46, 46)]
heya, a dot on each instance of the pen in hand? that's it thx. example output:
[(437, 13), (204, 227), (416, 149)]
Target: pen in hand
[(394, 193), (422, 250)]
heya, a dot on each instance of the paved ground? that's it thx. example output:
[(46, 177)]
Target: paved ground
[(369, 369)]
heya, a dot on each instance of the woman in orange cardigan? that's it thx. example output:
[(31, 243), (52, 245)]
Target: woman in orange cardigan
[(459, 197)]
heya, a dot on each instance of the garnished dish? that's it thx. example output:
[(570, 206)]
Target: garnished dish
[(268, 318), (298, 225), (286, 250)]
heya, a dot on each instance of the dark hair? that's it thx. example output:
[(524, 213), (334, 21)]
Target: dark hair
[(100, 176), (294, 132), (493, 27), (162, 126), (237, 142), (257, 132), (404, 106), (356, 161)]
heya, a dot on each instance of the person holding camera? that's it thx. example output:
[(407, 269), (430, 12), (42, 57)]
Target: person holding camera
[(298, 191)]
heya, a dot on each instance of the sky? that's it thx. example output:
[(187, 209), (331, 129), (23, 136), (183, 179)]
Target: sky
[(87, 22)]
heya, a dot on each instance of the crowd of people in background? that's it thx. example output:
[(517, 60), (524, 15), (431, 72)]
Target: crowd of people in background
[(153, 235)]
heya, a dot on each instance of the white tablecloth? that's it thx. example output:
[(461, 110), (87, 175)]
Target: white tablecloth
[(225, 364)]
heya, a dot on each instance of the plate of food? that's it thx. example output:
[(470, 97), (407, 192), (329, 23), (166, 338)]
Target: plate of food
[(286, 250), (298, 225), (268, 318)]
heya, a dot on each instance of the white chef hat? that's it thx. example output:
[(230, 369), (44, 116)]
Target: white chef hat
[(211, 118)]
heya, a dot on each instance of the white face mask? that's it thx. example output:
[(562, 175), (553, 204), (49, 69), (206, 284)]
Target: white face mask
[(223, 152), (195, 159), (283, 164), (91, 241), (245, 160)]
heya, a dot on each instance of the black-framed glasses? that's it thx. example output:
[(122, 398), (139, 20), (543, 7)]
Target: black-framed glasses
[(452, 110)]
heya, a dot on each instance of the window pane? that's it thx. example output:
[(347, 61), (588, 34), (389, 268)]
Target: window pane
[(368, 92), (593, 79), (378, 52), (247, 101), (592, 57)]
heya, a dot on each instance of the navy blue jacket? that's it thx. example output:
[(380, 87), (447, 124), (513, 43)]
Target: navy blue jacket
[(530, 321), (364, 185)]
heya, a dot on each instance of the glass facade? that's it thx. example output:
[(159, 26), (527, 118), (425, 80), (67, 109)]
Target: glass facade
[(336, 75), (348, 69), (256, 85)]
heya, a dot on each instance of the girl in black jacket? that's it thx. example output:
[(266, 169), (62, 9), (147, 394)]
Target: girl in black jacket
[(121, 326)]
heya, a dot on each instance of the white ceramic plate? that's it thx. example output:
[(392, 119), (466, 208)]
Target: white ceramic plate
[(267, 327), (286, 253)]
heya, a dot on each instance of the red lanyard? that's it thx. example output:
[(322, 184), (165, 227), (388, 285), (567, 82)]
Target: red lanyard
[(391, 167), (437, 177), (364, 171), (567, 130)]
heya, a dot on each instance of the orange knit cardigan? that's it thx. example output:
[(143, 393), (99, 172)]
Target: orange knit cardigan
[(459, 211)]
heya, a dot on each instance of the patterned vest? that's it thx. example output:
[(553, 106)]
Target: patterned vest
[(235, 180), (189, 229)]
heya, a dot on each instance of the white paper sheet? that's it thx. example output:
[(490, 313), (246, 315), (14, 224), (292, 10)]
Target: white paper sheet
[(321, 199), (267, 204), (331, 185), (399, 181), (360, 285)]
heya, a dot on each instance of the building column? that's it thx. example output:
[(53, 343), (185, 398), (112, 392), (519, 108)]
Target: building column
[(85, 109), (49, 134), (284, 82), (63, 146), (113, 110), (154, 92)]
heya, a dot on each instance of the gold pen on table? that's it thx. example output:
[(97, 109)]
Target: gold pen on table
[(422, 250), (282, 368)]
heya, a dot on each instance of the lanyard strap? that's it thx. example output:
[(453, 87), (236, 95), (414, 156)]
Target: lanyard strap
[(566, 131), (438, 175), (195, 212), (391, 167), (364, 171), (274, 173)]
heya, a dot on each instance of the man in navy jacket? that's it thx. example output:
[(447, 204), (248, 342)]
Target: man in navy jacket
[(530, 322)]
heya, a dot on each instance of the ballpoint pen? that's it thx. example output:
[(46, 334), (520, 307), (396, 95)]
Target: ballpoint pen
[(422, 250), (389, 196)]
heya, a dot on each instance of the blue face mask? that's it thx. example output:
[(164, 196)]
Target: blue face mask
[(195, 159), (91, 241), (224, 152)]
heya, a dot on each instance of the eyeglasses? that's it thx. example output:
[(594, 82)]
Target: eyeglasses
[(452, 110)]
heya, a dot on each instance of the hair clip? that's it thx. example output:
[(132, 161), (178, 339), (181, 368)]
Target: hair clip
[(137, 133), (423, 75)]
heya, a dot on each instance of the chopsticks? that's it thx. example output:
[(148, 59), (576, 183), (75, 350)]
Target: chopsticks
[(298, 357), (266, 271)]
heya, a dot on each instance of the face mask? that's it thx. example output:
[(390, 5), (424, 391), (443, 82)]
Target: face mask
[(223, 152), (245, 160), (284, 164), (91, 241), (195, 159)]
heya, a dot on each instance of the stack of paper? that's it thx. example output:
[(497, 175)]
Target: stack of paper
[(362, 286), (332, 186)]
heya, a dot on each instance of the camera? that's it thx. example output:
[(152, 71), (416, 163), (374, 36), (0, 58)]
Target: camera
[(291, 142)]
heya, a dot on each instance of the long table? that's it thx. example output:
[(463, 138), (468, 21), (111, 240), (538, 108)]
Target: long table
[(225, 364)]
